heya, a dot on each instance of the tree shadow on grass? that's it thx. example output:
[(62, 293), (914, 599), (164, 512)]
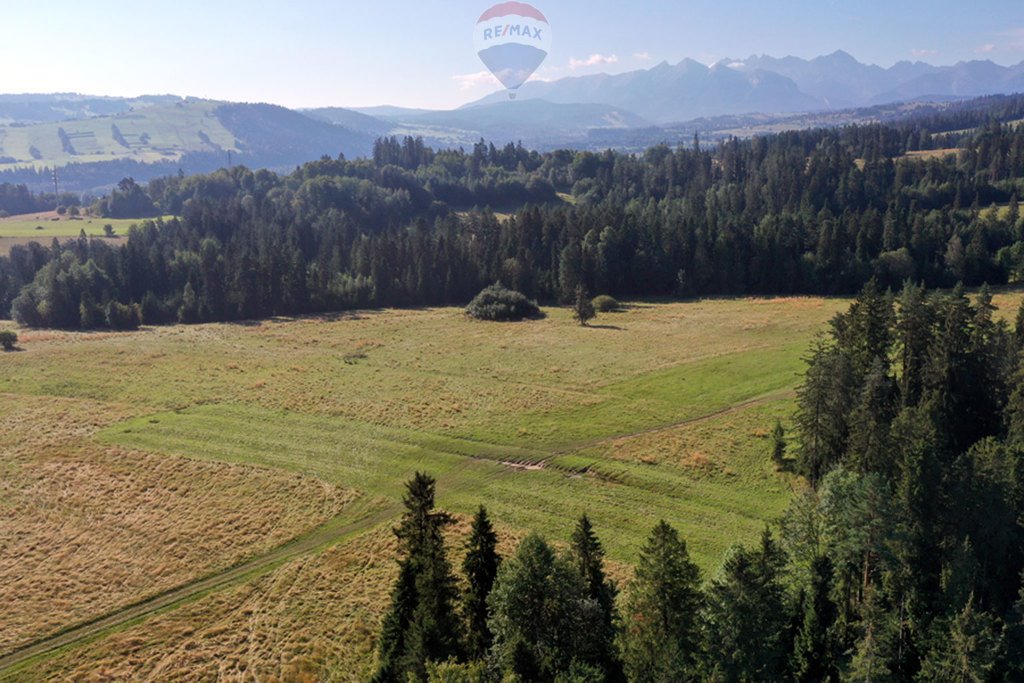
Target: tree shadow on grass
[(607, 327)]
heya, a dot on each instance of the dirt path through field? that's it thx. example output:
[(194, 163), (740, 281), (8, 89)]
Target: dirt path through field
[(368, 515), (742, 405), (361, 516)]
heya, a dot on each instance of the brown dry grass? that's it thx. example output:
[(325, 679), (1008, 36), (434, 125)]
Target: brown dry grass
[(86, 529), (314, 619), (932, 153)]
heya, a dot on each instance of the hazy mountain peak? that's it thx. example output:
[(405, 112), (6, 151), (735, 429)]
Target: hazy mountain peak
[(769, 85)]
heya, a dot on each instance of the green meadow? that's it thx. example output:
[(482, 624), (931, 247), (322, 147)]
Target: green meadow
[(44, 227), (661, 411), (542, 421)]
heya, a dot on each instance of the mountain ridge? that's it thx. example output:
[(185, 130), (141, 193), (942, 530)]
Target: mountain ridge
[(667, 93)]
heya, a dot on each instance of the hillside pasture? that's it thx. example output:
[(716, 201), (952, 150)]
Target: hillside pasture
[(147, 135)]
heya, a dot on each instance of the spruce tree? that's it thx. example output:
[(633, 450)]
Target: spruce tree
[(420, 625), (480, 568), (1011, 665), (583, 308), (814, 656), (660, 638), (1014, 413), (587, 556), (746, 617), (918, 490), (868, 445), (1018, 327), (541, 616), (866, 330), (947, 375), (965, 651), (874, 650), (823, 403), (913, 338)]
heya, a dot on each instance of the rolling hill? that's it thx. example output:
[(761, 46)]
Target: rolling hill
[(95, 152), (30, 108)]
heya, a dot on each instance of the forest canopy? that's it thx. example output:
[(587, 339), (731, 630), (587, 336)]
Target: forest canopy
[(811, 212)]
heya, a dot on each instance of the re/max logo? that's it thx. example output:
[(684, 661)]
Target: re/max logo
[(512, 30)]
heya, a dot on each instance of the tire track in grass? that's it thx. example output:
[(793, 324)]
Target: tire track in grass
[(697, 419), (361, 516)]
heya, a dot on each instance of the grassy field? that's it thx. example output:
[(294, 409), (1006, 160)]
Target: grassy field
[(87, 529), (659, 412), (149, 134), (46, 226)]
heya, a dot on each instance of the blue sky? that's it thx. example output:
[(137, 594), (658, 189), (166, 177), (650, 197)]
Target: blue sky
[(304, 53)]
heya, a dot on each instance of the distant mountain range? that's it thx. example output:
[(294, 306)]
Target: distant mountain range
[(99, 140), (689, 90)]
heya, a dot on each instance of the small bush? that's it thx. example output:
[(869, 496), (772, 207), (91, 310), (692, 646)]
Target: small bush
[(61, 210), (108, 230), (501, 304), (8, 339), (123, 316), (4, 214), (606, 304)]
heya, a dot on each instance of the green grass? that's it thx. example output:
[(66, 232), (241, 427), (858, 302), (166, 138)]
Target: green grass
[(661, 412), (472, 403), (624, 498), (30, 227)]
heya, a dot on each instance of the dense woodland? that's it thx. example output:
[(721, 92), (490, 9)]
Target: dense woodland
[(819, 211), (901, 561)]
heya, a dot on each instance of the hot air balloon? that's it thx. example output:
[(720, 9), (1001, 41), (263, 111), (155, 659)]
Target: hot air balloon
[(513, 39)]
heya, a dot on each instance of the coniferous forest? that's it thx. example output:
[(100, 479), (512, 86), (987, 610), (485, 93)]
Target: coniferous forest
[(901, 561), (815, 212)]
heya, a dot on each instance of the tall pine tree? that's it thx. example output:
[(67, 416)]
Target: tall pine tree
[(420, 625), (588, 557), (660, 639), (480, 568), (814, 655)]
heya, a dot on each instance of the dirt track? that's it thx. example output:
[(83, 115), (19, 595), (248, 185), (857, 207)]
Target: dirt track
[(367, 515)]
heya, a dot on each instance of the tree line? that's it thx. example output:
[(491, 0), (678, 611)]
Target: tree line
[(902, 559), (814, 212), (18, 199)]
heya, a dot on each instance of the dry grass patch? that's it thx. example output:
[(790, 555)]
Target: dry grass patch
[(732, 444), (86, 529), (314, 619)]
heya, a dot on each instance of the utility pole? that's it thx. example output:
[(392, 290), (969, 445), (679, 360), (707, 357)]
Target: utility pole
[(56, 190)]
